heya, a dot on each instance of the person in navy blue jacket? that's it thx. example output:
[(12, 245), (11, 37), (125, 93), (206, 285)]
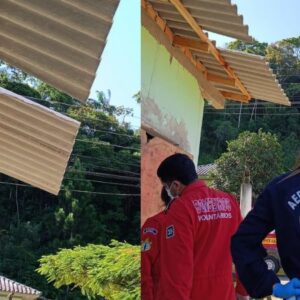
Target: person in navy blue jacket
[(278, 207)]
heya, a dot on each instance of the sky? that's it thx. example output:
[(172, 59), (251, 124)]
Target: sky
[(120, 67)]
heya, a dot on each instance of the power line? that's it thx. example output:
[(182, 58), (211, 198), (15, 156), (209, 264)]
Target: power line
[(106, 160), (87, 118), (116, 122), (104, 182), (77, 191), (110, 132), (70, 105), (295, 104), (106, 175), (100, 120), (261, 103), (111, 169), (102, 144), (250, 107), (107, 194), (263, 114)]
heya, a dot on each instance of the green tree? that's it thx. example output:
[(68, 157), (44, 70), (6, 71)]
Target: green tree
[(254, 48), (259, 152), (111, 271), (99, 198), (225, 125)]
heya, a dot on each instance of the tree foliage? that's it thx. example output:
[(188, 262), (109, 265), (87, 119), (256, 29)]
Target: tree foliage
[(111, 271), (105, 164), (260, 153), (225, 125)]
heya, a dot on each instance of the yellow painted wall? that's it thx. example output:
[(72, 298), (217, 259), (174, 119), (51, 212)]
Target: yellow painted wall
[(172, 103)]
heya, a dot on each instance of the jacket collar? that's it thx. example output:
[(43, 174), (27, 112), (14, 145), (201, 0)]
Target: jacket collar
[(193, 186)]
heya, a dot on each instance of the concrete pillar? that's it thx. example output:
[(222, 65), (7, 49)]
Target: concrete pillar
[(246, 194)]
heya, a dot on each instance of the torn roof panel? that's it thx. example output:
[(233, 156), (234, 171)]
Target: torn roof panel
[(216, 16), (35, 142), (58, 41)]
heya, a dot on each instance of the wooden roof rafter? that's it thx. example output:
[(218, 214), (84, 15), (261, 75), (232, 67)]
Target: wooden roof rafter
[(188, 45), (176, 40), (228, 74), (160, 29), (214, 51)]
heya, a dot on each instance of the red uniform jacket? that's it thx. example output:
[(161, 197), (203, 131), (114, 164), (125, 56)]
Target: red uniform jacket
[(195, 259), (150, 237)]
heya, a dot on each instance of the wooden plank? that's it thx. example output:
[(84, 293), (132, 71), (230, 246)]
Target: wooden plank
[(221, 79), (207, 88), (213, 50), (190, 43), (152, 13), (234, 96), (170, 35)]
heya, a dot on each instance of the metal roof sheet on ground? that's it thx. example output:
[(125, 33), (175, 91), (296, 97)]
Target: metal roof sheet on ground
[(35, 142), (58, 41), (218, 16), (203, 170), (11, 286), (253, 71)]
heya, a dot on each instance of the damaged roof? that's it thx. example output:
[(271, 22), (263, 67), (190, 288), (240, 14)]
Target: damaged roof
[(35, 142), (59, 41), (225, 74)]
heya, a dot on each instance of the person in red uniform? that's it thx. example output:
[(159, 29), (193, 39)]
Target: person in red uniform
[(195, 259), (150, 238)]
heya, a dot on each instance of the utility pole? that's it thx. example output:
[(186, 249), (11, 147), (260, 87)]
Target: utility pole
[(246, 194)]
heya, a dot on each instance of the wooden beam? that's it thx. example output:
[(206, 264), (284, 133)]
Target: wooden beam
[(199, 66), (152, 13), (234, 96), (190, 43), (212, 49), (220, 79), (210, 92)]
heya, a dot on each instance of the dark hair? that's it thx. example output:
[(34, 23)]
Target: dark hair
[(164, 196), (177, 167)]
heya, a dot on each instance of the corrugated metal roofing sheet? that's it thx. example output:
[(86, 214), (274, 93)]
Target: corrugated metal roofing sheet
[(203, 170), (218, 16), (58, 41), (253, 71), (35, 142), (236, 75), (10, 286)]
